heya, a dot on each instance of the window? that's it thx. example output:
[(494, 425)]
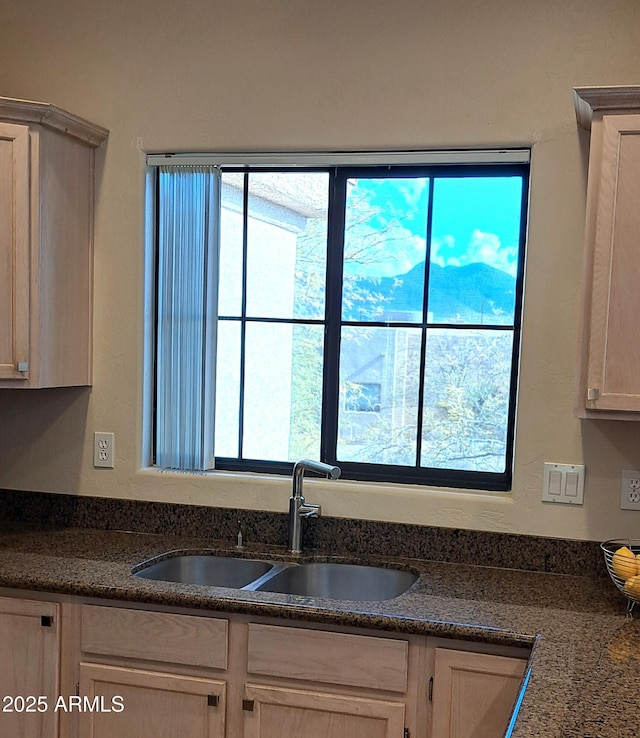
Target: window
[(362, 314), (362, 398)]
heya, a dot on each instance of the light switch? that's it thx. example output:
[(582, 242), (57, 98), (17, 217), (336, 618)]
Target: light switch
[(563, 483), (555, 483), (571, 488)]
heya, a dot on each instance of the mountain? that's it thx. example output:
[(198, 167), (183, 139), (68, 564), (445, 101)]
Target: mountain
[(474, 293)]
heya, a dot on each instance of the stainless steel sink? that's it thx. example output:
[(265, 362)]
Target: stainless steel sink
[(340, 581), (207, 569), (316, 579)]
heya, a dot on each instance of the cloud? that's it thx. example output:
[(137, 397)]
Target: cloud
[(485, 248), (370, 256)]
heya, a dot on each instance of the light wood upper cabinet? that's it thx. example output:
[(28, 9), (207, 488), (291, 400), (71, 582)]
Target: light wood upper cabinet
[(609, 374), (46, 245), (14, 249)]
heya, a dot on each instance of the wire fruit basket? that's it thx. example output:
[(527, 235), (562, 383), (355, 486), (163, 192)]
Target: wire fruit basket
[(622, 557)]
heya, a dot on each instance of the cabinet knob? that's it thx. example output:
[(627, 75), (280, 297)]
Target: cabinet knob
[(247, 705), (213, 700), (23, 366), (593, 393)]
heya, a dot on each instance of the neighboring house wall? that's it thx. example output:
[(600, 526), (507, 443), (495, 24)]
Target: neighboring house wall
[(272, 232)]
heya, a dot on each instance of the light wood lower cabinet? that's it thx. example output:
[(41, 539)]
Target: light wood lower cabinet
[(152, 674), (284, 712), (473, 693), (327, 657), (309, 680), (131, 672), (29, 668), (185, 640), (121, 702)]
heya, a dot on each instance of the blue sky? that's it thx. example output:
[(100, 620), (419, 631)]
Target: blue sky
[(477, 219), (474, 220)]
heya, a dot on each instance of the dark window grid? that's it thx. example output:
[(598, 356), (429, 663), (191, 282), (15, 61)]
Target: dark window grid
[(423, 337), (370, 323), (515, 352), (333, 326), (416, 473)]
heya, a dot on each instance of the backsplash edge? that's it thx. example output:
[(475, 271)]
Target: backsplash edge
[(335, 535)]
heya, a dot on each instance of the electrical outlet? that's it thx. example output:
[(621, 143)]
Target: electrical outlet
[(630, 490), (103, 450)]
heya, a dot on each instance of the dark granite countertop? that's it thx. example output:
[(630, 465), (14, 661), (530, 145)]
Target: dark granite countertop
[(585, 667)]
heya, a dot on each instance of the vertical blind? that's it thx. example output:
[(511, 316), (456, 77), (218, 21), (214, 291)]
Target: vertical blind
[(187, 286)]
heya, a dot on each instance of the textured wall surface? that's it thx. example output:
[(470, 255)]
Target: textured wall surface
[(285, 74)]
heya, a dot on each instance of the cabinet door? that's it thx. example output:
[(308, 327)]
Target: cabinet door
[(120, 702), (613, 377), (277, 712), (14, 251), (29, 668), (473, 693)]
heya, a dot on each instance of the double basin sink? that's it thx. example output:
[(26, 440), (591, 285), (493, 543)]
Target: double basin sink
[(338, 581)]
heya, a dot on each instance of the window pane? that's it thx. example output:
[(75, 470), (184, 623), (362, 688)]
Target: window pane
[(227, 389), (283, 391), (287, 244), (466, 399), (306, 394), (231, 230), (377, 419), (363, 397), (384, 249), (474, 250)]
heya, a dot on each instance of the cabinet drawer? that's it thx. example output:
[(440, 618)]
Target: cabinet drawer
[(155, 636), (333, 658)]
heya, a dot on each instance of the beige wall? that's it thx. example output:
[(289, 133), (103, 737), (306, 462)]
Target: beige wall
[(328, 74)]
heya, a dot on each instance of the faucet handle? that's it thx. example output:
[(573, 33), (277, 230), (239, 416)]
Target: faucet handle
[(309, 510)]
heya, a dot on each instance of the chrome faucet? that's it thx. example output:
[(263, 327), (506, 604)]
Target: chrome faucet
[(298, 508)]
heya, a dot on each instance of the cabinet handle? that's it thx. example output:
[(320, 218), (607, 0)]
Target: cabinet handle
[(46, 621), (213, 700), (23, 366), (593, 393), (247, 705)]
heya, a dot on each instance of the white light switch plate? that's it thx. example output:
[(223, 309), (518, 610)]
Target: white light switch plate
[(563, 483)]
